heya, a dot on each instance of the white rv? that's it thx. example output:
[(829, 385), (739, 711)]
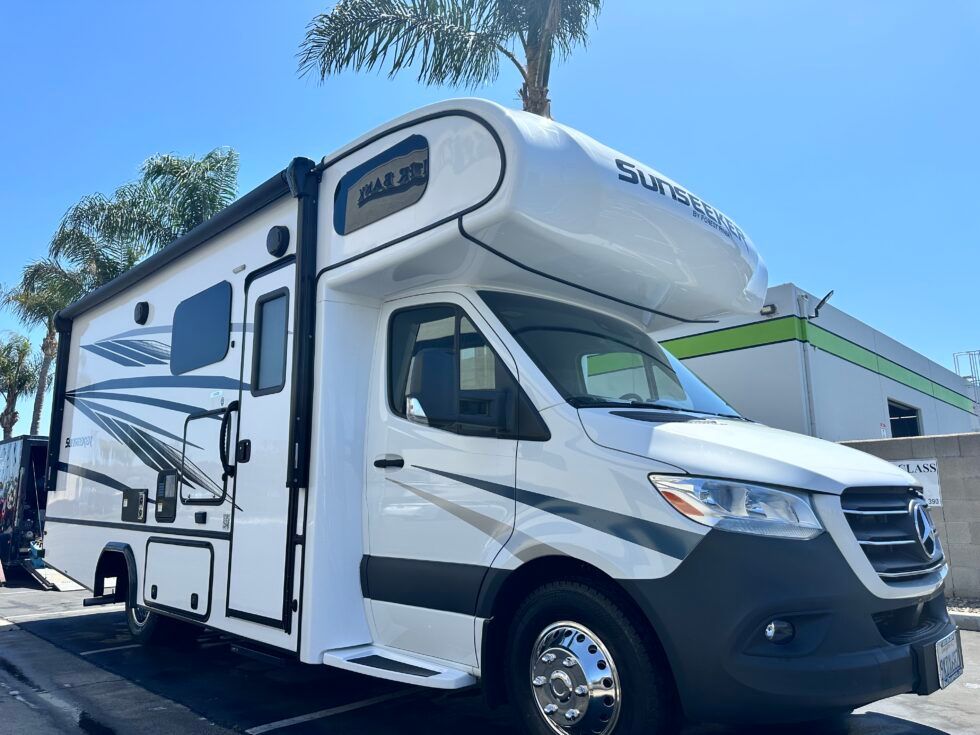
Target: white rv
[(399, 412)]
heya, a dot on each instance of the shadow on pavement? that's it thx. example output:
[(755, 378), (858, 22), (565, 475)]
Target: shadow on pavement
[(241, 693)]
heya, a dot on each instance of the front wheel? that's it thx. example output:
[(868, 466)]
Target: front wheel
[(578, 663)]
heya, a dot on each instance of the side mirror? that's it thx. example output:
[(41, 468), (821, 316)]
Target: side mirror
[(430, 394)]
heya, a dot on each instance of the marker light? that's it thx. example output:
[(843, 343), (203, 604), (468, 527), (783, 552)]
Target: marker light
[(740, 507)]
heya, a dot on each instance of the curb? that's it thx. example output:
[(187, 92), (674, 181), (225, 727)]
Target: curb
[(966, 621)]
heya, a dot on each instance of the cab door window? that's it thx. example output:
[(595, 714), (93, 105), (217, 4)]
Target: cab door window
[(443, 373)]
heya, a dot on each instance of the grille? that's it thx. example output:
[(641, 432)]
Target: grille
[(887, 526)]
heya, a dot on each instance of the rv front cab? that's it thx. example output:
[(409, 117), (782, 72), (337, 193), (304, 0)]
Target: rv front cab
[(428, 438)]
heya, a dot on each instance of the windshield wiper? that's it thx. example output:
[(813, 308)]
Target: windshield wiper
[(597, 402)]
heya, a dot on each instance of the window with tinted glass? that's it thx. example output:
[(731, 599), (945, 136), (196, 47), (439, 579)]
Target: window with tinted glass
[(202, 329), (269, 347), (442, 373)]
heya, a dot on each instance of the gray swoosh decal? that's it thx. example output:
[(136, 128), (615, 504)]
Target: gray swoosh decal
[(166, 381), (667, 540), (489, 526)]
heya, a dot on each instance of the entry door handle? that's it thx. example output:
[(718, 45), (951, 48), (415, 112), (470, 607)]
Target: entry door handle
[(389, 460)]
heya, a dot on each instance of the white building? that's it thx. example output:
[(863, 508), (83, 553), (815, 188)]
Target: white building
[(831, 376)]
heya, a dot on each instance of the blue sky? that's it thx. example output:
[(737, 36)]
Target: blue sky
[(841, 135)]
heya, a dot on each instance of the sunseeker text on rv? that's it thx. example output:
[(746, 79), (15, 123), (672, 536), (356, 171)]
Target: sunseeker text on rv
[(702, 210)]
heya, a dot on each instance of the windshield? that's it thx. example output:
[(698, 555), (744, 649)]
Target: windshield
[(598, 361)]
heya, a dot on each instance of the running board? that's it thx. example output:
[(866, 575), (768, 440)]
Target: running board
[(101, 600), (383, 663)]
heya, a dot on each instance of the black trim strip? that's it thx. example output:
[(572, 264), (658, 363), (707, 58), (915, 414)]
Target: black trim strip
[(58, 405), (667, 540), (436, 585), (304, 183), (263, 195), (144, 528)]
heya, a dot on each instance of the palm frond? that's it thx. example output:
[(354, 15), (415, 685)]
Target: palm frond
[(453, 42), (526, 18)]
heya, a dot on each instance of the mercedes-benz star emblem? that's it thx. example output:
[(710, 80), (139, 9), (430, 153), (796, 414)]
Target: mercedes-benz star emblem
[(925, 529)]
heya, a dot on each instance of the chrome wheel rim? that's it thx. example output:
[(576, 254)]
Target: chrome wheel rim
[(574, 680), (140, 615)]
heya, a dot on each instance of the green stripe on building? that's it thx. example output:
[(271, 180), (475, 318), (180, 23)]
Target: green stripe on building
[(794, 328)]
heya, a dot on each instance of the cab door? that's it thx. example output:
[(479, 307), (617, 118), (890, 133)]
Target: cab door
[(257, 579), (441, 494)]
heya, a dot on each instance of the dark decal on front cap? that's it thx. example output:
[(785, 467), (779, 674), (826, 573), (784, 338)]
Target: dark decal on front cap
[(387, 183)]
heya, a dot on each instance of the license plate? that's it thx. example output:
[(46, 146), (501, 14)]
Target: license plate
[(949, 659)]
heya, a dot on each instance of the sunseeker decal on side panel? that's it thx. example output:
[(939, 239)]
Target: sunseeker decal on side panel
[(633, 174)]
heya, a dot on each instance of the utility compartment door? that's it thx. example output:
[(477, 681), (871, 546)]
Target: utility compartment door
[(178, 577), (257, 580)]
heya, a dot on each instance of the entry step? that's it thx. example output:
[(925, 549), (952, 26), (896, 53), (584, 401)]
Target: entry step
[(398, 666)]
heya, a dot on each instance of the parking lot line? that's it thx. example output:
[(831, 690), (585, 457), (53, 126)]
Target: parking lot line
[(259, 729), (111, 648)]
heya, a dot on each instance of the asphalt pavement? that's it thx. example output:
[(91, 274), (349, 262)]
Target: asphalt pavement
[(68, 669)]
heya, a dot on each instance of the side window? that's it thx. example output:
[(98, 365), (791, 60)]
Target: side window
[(202, 329), (442, 373), (269, 350)]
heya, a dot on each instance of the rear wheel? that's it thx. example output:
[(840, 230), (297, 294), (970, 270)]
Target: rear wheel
[(578, 663), (152, 628)]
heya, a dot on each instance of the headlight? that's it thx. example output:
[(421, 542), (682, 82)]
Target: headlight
[(737, 506)]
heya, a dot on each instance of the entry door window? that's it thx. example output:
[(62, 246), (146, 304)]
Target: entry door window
[(269, 353), (905, 420)]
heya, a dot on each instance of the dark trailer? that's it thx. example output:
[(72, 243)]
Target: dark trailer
[(23, 496)]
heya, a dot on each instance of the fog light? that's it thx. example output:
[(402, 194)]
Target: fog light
[(779, 631)]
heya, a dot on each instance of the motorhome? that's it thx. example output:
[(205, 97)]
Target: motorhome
[(399, 412)]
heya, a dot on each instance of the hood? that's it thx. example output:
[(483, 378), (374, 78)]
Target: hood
[(717, 447)]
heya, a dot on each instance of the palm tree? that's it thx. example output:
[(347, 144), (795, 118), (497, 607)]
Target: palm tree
[(455, 42), (18, 375), (45, 288), (103, 236)]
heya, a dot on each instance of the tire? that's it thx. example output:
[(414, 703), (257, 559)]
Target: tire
[(153, 629), (577, 662)]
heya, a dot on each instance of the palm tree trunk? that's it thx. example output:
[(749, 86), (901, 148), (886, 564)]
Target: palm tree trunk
[(49, 347), (9, 416), (534, 93)]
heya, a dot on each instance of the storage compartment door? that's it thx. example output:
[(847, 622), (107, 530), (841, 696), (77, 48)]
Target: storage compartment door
[(178, 577)]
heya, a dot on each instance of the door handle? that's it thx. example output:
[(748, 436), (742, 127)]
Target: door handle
[(223, 440), (390, 460)]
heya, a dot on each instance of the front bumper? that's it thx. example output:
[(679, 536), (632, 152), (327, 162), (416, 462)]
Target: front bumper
[(850, 647)]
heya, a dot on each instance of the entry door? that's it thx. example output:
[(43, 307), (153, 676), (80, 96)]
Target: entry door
[(260, 524)]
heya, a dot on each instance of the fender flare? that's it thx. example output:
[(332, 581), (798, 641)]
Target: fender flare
[(124, 550)]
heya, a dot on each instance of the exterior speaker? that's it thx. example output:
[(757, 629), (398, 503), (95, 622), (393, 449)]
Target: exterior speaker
[(277, 241), (141, 313)]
